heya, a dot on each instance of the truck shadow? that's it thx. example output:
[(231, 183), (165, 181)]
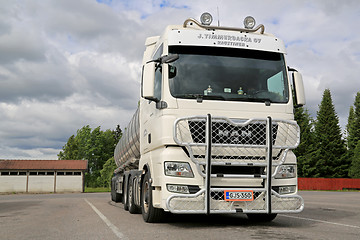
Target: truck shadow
[(199, 221), (230, 220)]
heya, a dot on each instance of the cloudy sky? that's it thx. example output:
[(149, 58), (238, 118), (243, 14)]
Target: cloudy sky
[(66, 64)]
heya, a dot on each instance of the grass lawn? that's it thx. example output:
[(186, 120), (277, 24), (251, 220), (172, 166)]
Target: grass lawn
[(97, 189)]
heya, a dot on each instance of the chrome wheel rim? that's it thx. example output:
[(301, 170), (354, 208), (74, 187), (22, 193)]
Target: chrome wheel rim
[(146, 197)]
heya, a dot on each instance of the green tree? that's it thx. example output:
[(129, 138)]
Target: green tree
[(330, 147), (69, 150), (349, 125), (95, 145), (99, 148), (82, 138), (117, 133), (354, 170), (353, 135), (353, 126), (106, 173), (306, 147)]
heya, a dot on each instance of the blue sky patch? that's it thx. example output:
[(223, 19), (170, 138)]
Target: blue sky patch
[(275, 21), (107, 2), (167, 4)]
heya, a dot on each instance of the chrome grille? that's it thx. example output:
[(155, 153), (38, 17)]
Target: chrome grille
[(225, 133)]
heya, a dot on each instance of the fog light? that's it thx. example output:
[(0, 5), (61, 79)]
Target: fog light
[(206, 18), (287, 189), (177, 188), (249, 22)]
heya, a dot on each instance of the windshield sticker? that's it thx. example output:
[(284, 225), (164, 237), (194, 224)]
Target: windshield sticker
[(229, 40), (227, 90)]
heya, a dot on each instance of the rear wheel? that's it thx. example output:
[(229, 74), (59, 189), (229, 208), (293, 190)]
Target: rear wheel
[(149, 213), (116, 197), (261, 217), (131, 199), (125, 200)]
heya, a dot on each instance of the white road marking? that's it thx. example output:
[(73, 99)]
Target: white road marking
[(115, 230), (321, 221)]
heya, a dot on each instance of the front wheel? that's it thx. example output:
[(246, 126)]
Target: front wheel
[(261, 217), (149, 213)]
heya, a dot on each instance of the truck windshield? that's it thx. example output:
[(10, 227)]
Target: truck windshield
[(228, 74)]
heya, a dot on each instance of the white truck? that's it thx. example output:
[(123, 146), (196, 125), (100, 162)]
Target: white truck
[(214, 129)]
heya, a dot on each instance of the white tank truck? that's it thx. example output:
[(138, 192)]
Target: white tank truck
[(214, 130)]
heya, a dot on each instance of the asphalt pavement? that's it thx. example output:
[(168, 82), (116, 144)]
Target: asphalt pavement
[(327, 215)]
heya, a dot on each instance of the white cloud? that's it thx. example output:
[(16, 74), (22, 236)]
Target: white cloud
[(39, 126)]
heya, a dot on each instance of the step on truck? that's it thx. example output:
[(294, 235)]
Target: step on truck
[(214, 129)]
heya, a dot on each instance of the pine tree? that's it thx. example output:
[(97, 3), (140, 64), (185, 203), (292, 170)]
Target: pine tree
[(353, 126), (117, 133), (330, 147), (306, 147), (354, 170), (349, 126), (353, 136)]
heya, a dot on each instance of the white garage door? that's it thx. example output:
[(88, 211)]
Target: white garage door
[(12, 181)]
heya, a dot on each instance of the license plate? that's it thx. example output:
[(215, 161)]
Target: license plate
[(239, 195)]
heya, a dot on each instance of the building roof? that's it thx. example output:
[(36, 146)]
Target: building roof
[(43, 164)]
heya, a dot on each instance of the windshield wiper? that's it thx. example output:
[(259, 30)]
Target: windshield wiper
[(250, 99), (200, 97)]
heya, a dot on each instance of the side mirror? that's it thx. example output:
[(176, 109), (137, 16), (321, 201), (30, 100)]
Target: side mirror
[(148, 81), (299, 89)]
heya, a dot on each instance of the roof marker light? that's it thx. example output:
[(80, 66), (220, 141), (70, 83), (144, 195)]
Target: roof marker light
[(206, 18), (249, 22)]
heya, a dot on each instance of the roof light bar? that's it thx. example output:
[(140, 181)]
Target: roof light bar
[(206, 20)]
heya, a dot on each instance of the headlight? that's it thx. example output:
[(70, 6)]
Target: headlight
[(286, 171), (178, 169)]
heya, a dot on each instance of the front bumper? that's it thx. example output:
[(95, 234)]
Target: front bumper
[(195, 203)]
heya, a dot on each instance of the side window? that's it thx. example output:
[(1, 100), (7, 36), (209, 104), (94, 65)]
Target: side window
[(158, 75), (276, 83), (157, 85), (276, 87)]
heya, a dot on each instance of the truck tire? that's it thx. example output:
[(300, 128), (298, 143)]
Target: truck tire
[(125, 194), (261, 217), (112, 191), (116, 197), (149, 213), (133, 208)]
